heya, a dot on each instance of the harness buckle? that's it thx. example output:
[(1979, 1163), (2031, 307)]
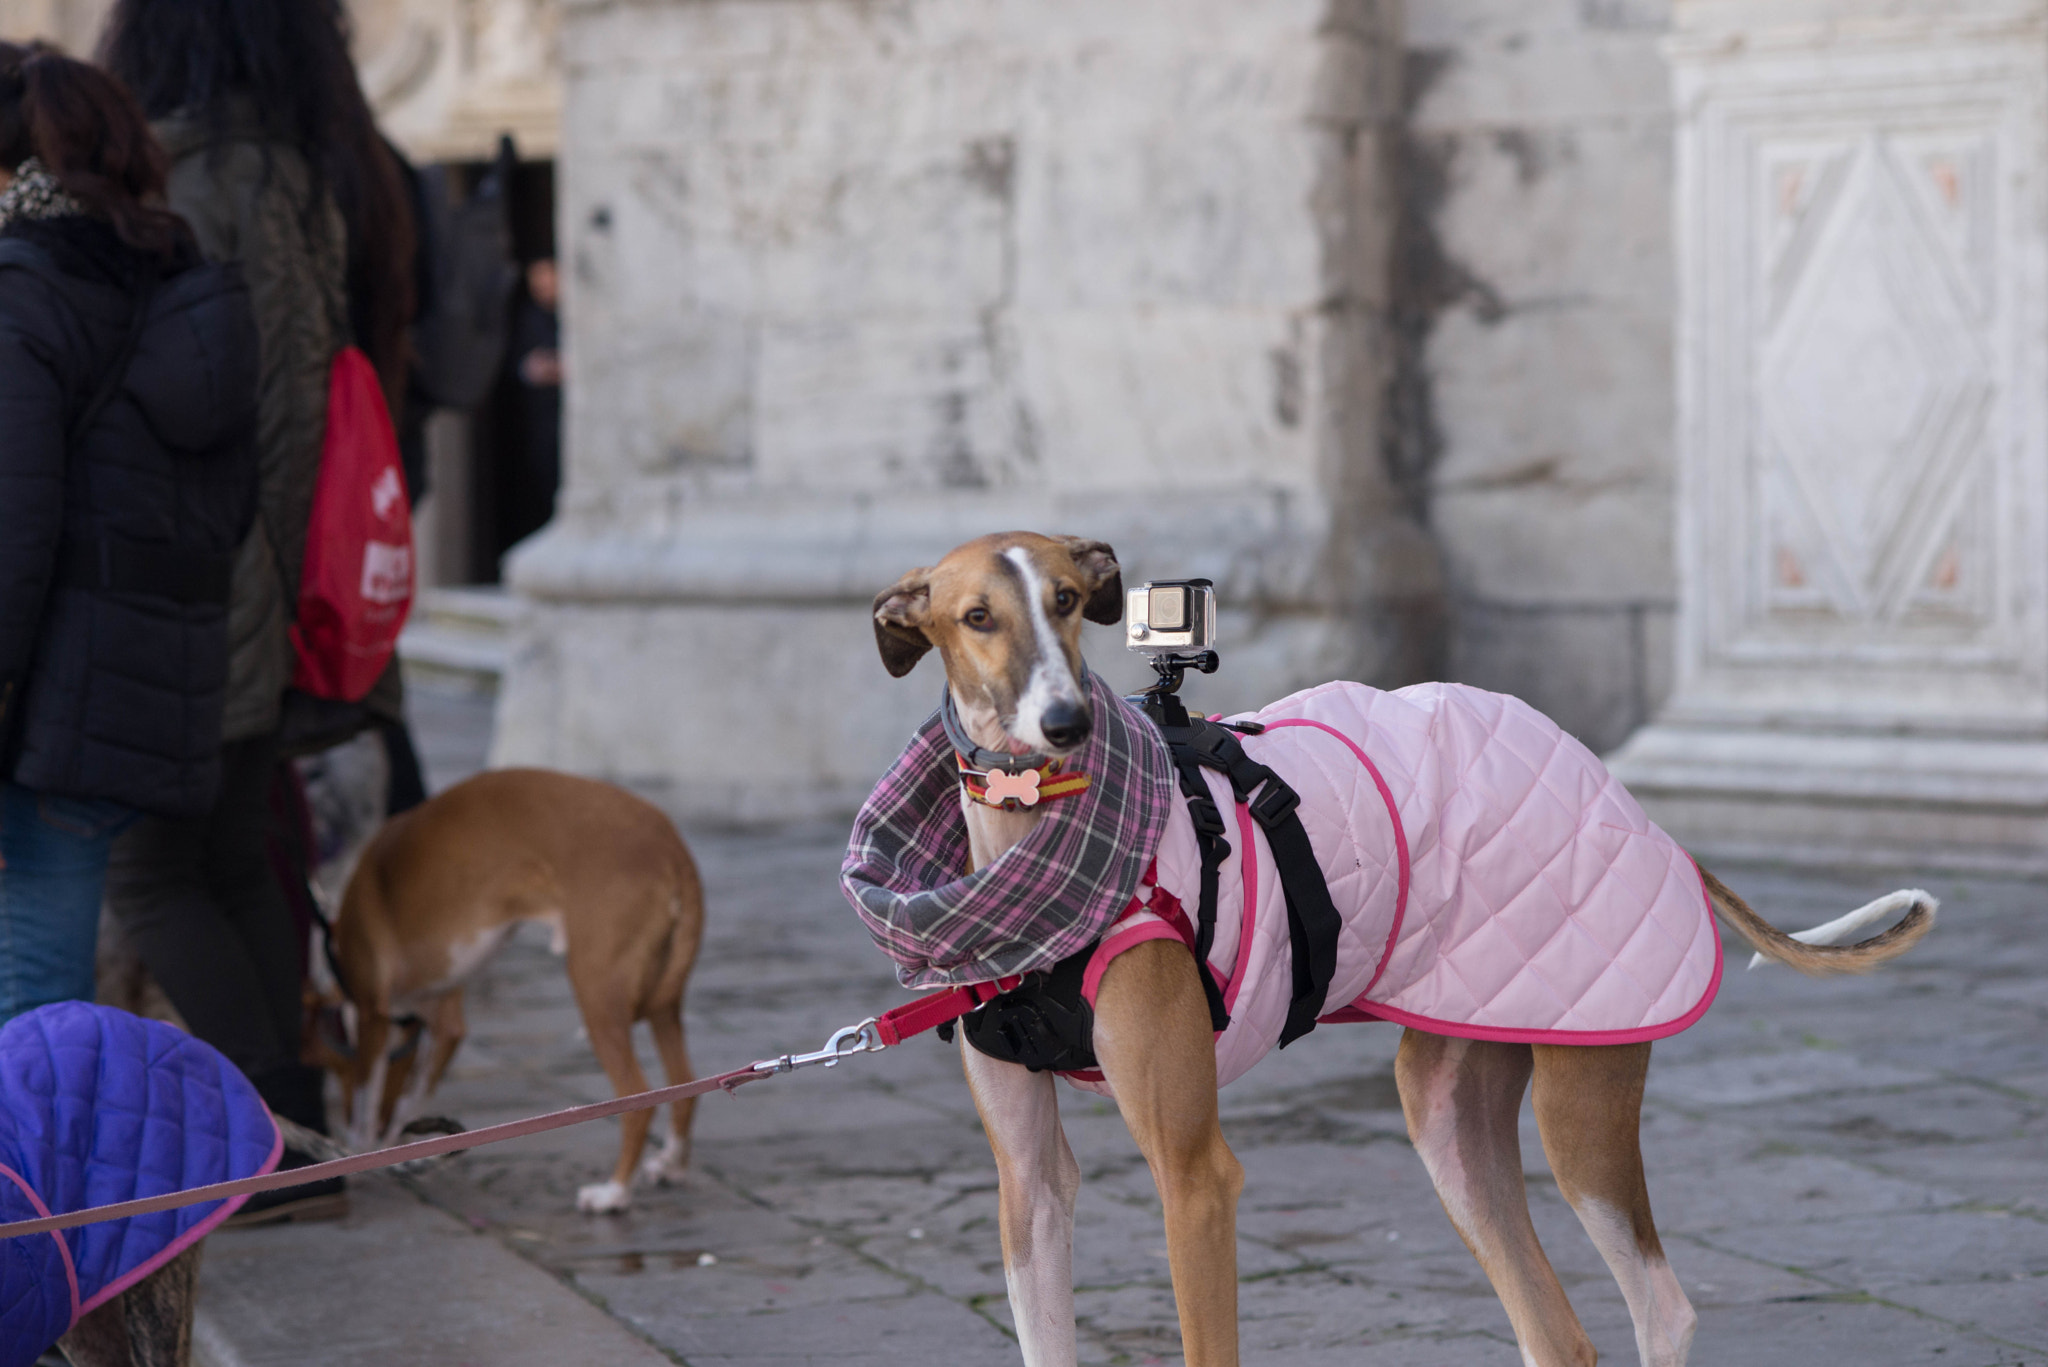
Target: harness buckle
[(1274, 804), (1208, 820)]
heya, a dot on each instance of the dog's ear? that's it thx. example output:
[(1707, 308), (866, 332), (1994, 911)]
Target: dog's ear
[(901, 611), (1104, 577)]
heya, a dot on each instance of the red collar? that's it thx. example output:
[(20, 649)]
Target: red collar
[(1010, 792)]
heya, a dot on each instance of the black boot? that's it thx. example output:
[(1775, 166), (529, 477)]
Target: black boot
[(294, 1092)]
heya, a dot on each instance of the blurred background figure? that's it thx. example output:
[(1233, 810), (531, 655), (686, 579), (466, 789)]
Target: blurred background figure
[(277, 164), (536, 469), (127, 480)]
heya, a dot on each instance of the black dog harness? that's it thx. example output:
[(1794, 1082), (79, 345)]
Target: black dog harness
[(1045, 1023)]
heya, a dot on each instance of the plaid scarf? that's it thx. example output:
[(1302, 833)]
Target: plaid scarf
[(1052, 894)]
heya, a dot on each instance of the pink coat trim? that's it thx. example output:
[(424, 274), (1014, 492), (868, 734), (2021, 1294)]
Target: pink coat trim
[(63, 1249)]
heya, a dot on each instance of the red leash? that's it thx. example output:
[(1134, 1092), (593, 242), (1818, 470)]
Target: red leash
[(891, 1027)]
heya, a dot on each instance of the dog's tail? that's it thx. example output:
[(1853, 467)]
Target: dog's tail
[(1819, 952)]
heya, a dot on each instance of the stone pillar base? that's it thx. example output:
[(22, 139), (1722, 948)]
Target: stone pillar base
[(1975, 804), (724, 662)]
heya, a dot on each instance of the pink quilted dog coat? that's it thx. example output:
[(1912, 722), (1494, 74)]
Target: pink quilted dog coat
[(1495, 881)]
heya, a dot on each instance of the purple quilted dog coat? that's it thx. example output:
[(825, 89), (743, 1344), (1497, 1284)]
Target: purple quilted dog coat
[(98, 1106)]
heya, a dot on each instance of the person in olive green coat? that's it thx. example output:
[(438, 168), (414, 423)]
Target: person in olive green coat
[(248, 195)]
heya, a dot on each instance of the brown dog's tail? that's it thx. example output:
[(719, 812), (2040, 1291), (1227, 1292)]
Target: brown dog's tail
[(1819, 952)]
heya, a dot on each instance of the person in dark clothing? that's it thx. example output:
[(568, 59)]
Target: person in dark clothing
[(127, 480), (537, 369), (406, 786), (277, 165)]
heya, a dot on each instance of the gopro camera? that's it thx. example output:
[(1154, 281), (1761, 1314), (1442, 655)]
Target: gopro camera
[(1171, 617)]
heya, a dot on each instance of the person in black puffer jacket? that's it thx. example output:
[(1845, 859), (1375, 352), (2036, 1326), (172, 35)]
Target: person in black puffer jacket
[(127, 480)]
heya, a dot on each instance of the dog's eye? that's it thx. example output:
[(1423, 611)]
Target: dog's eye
[(979, 619), (1065, 599)]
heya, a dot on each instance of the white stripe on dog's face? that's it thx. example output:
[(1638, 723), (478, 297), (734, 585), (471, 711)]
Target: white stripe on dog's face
[(1005, 612), (1052, 678)]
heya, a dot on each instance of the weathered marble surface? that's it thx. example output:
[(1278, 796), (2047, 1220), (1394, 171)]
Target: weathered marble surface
[(1535, 337), (1862, 657), (851, 283)]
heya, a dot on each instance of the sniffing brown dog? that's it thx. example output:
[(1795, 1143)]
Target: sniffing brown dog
[(1005, 615), (440, 887)]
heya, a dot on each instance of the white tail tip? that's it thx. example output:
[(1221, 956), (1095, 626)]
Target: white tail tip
[(1844, 929)]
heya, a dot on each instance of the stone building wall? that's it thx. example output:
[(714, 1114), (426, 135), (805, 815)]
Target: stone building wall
[(1252, 291), (1533, 414), (849, 283)]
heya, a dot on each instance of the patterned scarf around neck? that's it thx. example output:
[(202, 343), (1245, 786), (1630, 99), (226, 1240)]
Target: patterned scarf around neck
[(35, 194), (1050, 895)]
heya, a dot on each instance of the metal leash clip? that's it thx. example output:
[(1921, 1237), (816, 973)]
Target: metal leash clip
[(845, 1043)]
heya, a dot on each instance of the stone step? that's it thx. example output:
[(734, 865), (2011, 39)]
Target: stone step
[(459, 636)]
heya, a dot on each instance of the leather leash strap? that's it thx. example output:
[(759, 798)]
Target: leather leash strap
[(382, 1158), (892, 1027)]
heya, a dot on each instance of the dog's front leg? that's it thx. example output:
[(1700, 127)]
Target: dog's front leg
[(372, 1072), (1152, 1035), (1039, 1181)]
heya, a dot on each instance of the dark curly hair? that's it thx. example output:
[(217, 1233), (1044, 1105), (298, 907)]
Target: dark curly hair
[(89, 132), (290, 59)]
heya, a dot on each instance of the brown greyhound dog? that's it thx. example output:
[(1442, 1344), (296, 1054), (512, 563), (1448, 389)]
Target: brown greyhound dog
[(1005, 612), (440, 887)]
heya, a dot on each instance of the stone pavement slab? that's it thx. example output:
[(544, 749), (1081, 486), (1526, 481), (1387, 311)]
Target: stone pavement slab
[(396, 1282)]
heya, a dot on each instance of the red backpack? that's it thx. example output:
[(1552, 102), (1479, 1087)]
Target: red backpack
[(356, 586)]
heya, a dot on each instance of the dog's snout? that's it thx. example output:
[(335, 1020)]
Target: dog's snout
[(1065, 725)]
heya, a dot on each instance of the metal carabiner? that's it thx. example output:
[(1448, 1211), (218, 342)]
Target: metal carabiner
[(864, 1038)]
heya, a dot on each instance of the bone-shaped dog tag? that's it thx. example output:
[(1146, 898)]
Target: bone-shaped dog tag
[(1023, 788)]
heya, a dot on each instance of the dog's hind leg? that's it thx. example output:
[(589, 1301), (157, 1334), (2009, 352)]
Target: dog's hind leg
[(1589, 1102), (611, 1039), (1152, 1035), (1463, 1100), (447, 1027), (1039, 1181), (666, 1021)]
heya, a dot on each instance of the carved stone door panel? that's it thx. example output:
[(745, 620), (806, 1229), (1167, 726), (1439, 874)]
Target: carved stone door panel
[(1862, 664), (1862, 364)]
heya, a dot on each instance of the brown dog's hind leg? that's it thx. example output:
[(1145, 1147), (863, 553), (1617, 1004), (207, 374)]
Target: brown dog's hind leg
[(611, 1039), (1589, 1102), (669, 1164), (1463, 1100), (1152, 1036), (447, 1027)]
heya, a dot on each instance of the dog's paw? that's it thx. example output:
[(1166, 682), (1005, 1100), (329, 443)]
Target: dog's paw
[(666, 1167), (603, 1198)]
